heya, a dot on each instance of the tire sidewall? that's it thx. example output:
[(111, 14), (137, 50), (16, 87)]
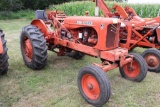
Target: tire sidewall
[(155, 52), (143, 68), (39, 47), (24, 34), (140, 65), (4, 56), (97, 102)]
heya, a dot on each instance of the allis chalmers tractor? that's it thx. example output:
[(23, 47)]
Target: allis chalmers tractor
[(77, 36), (3, 55), (136, 31)]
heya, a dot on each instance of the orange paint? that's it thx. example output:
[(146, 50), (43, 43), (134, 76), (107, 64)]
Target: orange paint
[(1, 46), (135, 31), (94, 36)]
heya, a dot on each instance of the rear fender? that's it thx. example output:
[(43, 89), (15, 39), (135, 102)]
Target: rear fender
[(41, 25)]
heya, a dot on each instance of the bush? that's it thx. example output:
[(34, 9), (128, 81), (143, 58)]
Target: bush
[(14, 5), (28, 14)]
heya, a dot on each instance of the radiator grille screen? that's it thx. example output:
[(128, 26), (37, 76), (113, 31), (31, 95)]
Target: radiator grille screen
[(111, 35)]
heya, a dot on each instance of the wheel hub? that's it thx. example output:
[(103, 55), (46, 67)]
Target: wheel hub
[(152, 60), (132, 69), (28, 48), (90, 86)]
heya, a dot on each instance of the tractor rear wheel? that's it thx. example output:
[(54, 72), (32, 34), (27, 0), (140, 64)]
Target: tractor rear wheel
[(94, 85), (76, 55), (33, 47), (3, 57), (152, 57), (135, 70)]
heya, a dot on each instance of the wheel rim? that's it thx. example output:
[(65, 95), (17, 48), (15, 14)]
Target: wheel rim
[(132, 69), (152, 60), (90, 86), (28, 51)]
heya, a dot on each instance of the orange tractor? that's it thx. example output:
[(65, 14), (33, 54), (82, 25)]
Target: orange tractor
[(3, 55), (136, 31), (78, 36)]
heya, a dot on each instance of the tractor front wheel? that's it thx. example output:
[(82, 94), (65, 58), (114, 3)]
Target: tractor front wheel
[(4, 56), (152, 58), (135, 70), (94, 85), (33, 47)]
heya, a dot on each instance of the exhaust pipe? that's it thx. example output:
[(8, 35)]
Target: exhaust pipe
[(96, 8), (158, 13)]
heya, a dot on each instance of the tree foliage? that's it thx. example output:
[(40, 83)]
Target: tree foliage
[(10, 5), (35, 4), (14, 5)]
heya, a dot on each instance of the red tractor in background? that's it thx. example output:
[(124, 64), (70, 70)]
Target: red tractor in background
[(136, 32), (3, 55), (78, 36)]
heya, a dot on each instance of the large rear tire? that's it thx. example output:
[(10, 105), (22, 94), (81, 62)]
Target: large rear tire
[(152, 58), (94, 85), (33, 47), (4, 56), (136, 70)]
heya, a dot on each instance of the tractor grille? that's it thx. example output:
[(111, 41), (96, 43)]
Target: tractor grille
[(112, 33)]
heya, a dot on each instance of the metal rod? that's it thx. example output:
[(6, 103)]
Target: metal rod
[(96, 3)]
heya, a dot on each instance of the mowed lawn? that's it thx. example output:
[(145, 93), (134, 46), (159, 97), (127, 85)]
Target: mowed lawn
[(56, 84)]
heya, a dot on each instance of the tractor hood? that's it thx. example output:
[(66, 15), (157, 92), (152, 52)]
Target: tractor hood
[(81, 21)]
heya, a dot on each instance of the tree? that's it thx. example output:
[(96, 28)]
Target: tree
[(14, 5), (10, 5), (36, 4)]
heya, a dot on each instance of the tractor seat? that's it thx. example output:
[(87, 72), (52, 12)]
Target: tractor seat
[(41, 14)]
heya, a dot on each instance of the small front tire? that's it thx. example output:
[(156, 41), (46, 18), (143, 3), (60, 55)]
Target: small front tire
[(135, 70), (152, 58), (94, 85)]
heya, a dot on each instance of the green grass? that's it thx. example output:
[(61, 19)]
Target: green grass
[(56, 84)]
